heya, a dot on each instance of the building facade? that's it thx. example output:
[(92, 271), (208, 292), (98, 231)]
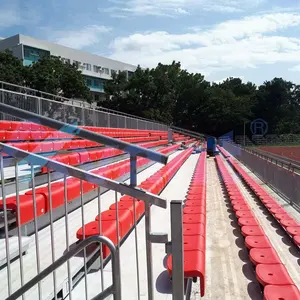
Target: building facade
[(96, 69)]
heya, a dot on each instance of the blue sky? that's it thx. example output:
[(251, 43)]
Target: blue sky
[(252, 39)]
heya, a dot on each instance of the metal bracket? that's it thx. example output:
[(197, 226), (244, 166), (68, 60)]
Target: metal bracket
[(168, 248), (158, 238)]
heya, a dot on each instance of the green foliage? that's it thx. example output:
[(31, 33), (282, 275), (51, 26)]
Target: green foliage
[(174, 96), (11, 68), (50, 74)]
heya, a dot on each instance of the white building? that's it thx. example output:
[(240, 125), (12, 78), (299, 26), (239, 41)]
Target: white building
[(96, 69)]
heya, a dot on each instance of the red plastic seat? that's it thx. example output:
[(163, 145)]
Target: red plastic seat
[(193, 218), (248, 221), (260, 241), (273, 206), (5, 125), (238, 202), (193, 203), (26, 207), (289, 223), (293, 230), (264, 256), (296, 239), (276, 210), (241, 207), (193, 229), (57, 195), (194, 266), (191, 243), (124, 216), (274, 274), (194, 210), (252, 230), (244, 214), (282, 292), (282, 217), (108, 229), (128, 205)]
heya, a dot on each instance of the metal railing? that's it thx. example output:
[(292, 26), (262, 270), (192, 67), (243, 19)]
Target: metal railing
[(21, 273), (69, 112), (85, 113), (280, 175), (188, 132)]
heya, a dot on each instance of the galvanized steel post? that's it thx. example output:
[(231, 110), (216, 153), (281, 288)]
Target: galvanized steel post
[(177, 250)]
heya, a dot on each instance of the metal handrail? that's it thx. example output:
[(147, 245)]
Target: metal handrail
[(284, 162), (288, 161), (133, 150), (67, 170), (82, 104), (114, 289)]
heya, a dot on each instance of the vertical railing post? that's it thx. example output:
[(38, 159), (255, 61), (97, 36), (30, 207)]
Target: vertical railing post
[(39, 107), (83, 116), (108, 120), (170, 139), (177, 250)]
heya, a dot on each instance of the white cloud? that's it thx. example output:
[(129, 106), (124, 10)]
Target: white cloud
[(225, 78), (295, 68), (179, 7), (235, 44), (79, 39)]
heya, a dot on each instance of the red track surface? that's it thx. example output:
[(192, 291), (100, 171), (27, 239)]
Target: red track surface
[(291, 152)]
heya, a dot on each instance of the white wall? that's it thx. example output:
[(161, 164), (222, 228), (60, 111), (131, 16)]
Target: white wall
[(77, 55)]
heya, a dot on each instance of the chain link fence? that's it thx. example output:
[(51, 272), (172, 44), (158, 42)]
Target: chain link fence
[(281, 179)]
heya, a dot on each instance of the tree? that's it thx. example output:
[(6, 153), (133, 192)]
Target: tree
[(50, 74), (11, 68)]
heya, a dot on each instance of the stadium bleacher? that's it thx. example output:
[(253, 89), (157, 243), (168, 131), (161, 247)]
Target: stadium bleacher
[(122, 217)]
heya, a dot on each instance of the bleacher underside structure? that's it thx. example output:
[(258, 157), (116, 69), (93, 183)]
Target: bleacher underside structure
[(102, 205)]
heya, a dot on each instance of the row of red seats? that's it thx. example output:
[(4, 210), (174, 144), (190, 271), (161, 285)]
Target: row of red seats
[(288, 223), (270, 271), (7, 136), (46, 146), (112, 171), (194, 226), (77, 158), (21, 125), (32, 131), (127, 205), (223, 151)]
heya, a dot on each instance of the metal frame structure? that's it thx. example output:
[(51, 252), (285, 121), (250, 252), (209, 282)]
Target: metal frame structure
[(85, 114), (101, 182), (280, 175), (39, 95)]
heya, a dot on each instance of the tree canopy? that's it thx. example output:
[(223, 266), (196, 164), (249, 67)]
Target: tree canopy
[(172, 95), (49, 74)]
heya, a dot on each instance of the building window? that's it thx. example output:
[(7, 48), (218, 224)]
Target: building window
[(88, 82), (66, 60), (106, 71), (76, 63), (33, 54), (95, 68), (113, 72), (96, 97), (130, 73), (87, 66)]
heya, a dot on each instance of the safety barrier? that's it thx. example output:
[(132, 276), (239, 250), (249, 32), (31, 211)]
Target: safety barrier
[(287, 222), (285, 181), (24, 272), (194, 227), (270, 271)]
